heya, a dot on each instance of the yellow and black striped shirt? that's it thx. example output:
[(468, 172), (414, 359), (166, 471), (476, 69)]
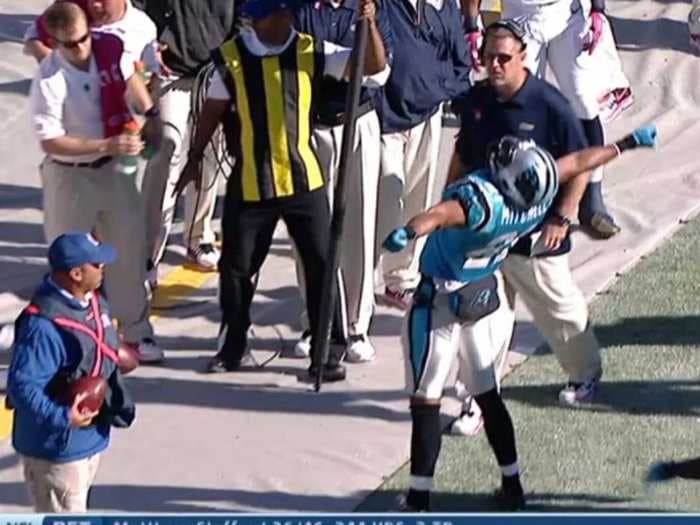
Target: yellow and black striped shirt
[(269, 128)]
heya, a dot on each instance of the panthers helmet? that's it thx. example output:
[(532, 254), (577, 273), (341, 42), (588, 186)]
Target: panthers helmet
[(524, 173)]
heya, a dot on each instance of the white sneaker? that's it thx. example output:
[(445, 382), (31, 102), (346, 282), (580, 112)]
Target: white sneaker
[(7, 336), (206, 256), (303, 347), (574, 393), (149, 351), (470, 422), (359, 350)]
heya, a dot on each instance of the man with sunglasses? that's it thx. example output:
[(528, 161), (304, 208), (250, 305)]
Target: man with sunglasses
[(563, 35), (59, 440), (79, 113), (514, 102), (117, 17)]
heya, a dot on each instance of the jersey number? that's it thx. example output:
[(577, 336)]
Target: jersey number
[(491, 254)]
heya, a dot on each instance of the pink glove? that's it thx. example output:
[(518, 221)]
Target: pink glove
[(595, 32), (472, 40)]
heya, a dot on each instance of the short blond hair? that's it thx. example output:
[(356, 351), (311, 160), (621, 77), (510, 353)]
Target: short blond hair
[(62, 16)]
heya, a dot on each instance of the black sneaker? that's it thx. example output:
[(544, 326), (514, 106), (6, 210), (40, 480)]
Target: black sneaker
[(332, 372), (217, 365), (509, 501), (413, 501)]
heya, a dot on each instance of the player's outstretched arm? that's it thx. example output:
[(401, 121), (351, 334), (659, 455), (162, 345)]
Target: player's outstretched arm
[(580, 162), (443, 215)]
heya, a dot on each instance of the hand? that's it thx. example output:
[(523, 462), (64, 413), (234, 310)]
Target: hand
[(78, 417), (124, 145), (553, 233), (164, 70), (191, 172), (397, 240), (152, 132), (367, 10), (595, 32), (472, 39), (646, 137)]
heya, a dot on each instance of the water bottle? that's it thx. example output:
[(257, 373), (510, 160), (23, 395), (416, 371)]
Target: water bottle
[(129, 164)]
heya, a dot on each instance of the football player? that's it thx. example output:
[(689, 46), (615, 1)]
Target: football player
[(457, 306)]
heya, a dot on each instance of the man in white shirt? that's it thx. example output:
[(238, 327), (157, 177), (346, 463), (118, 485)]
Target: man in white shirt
[(118, 17), (79, 116)]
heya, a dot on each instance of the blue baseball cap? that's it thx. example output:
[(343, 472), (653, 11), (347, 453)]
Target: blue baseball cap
[(259, 9), (74, 249)]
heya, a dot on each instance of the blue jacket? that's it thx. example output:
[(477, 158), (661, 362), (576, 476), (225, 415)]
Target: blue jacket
[(43, 355), (430, 63), (337, 25)]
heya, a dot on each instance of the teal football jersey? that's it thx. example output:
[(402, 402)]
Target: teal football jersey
[(477, 249)]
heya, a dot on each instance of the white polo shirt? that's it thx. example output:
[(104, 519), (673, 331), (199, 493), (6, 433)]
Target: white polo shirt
[(65, 101), (136, 30)]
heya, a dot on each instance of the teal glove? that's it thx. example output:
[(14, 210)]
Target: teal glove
[(646, 137), (397, 240)]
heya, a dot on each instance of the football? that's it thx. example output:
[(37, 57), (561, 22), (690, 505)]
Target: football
[(94, 387), (128, 355)]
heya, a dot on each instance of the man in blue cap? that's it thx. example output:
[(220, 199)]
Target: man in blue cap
[(63, 335)]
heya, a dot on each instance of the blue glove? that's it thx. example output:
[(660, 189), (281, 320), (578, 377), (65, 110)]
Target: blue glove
[(646, 136), (660, 471), (397, 240)]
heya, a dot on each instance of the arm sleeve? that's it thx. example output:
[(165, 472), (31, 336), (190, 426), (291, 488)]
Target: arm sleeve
[(38, 356), (461, 64), (335, 60), (46, 106)]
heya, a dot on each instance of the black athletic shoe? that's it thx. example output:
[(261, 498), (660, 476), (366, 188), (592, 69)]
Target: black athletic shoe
[(332, 372), (218, 365), (413, 501), (509, 501)]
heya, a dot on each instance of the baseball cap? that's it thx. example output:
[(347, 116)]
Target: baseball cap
[(74, 249), (509, 25), (259, 9)]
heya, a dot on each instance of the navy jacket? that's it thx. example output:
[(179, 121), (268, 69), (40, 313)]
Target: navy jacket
[(337, 25), (44, 358), (537, 112), (430, 63)]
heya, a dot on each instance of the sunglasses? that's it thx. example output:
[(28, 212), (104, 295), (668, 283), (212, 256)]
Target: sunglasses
[(72, 44), (501, 58)]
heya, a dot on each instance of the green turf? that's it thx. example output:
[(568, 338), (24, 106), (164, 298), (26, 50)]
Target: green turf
[(593, 458)]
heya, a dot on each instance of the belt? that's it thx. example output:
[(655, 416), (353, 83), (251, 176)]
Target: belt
[(339, 118), (95, 164)]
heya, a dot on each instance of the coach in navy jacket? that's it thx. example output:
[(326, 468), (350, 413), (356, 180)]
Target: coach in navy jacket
[(430, 66)]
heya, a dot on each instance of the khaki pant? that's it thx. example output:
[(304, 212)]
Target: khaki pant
[(356, 270), (559, 309), (60, 487), (83, 199), (162, 173), (408, 167)]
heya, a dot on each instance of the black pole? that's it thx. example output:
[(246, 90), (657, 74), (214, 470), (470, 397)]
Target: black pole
[(320, 341)]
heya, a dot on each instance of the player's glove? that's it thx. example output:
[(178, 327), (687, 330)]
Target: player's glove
[(472, 38), (595, 32), (399, 238), (644, 137)]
